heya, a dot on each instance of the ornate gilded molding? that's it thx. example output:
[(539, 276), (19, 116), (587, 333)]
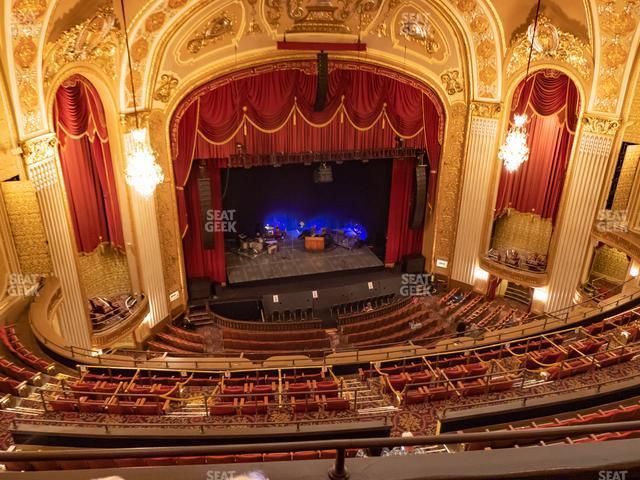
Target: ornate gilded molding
[(484, 43), (320, 16), (600, 125), (97, 40), (486, 109), (215, 30), (166, 86), (550, 44), (316, 18), (130, 121), (452, 82), (530, 279), (618, 22), (449, 183), (26, 27), (39, 149)]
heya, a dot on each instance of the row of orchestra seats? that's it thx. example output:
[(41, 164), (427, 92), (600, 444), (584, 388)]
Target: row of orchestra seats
[(280, 336), (261, 405), (15, 346), (17, 372), (178, 341), (381, 320), (381, 311), (313, 347), (398, 330), (112, 405), (48, 465)]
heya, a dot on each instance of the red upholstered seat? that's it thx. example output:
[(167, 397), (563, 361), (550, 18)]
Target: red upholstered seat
[(325, 454), (121, 407), (413, 397), (218, 459), (306, 455), (334, 404), (249, 458), (63, 405), (277, 457), (223, 408), (253, 407), (190, 460), (398, 382), (160, 461)]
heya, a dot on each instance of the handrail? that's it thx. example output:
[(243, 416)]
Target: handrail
[(339, 470), (16, 422), (50, 301)]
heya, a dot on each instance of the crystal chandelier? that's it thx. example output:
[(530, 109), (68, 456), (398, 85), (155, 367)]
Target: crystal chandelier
[(515, 151), (142, 172)]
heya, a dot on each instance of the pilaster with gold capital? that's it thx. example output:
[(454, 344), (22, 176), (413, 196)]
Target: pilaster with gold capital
[(41, 165), (581, 194), (479, 166)]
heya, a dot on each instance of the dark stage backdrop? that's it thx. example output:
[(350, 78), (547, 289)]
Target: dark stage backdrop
[(282, 196)]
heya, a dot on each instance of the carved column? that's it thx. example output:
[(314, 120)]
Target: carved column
[(478, 166), (147, 241), (40, 158), (580, 201)]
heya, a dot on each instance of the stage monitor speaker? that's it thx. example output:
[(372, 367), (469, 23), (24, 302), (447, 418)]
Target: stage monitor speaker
[(323, 82), (206, 210), (199, 288), (413, 263), (420, 197)]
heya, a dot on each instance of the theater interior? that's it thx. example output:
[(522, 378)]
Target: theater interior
[(319, 239)]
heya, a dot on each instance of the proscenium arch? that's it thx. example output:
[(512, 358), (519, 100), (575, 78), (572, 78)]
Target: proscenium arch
[(106, 92), (181, 103), (154, 58)]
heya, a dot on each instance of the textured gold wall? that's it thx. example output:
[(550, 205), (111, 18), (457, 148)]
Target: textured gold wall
[(26, 226), (610, 263), (524, 231), (628, 174), (104, 272), (632, 132)]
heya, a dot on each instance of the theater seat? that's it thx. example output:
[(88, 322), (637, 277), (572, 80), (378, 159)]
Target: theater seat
[(249, 458), (306, 455), (277, 457), (219, 459), (224, 408)]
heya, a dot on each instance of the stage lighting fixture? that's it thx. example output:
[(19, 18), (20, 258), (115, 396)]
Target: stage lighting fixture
[(323, 174)]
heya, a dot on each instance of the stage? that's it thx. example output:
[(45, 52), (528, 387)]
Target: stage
[(292, 260)]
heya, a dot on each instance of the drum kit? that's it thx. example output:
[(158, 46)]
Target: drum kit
[(266, 242)]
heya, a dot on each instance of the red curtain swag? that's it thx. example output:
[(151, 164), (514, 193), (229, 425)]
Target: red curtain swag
[(274, 112), (551, 101), (87, 168)]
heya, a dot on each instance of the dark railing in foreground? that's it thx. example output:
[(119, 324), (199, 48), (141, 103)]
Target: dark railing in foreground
[(339, 471)]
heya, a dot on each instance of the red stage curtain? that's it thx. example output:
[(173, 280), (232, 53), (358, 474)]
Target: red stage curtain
[(198, 261), (551, 101), (401, 240), (274, 112), (85, 158)]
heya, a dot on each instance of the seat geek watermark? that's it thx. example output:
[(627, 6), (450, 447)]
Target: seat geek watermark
[(415, 285), (221, 221), (23, 285), (221, 474), (612, 474), (612, 221)]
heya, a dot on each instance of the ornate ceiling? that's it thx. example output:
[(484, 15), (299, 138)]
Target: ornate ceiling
[(465, 49)]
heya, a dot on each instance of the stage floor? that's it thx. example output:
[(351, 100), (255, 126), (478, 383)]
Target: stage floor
[(292, 260)]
